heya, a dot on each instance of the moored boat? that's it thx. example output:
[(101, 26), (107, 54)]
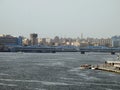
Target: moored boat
[(85, 66)]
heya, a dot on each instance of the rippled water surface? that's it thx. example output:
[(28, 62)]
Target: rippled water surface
[(58, 71)]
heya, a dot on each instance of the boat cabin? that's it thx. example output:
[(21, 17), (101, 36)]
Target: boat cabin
[(112, 62), (116, 64)]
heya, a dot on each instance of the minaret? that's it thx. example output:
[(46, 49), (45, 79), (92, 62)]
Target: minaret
[(81, 35)]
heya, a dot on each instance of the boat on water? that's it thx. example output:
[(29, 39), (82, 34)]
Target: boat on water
[(111, 66), (85, 66), (94, 67)]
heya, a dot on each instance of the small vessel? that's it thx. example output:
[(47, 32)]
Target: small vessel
[(94, 67), (85, 66)]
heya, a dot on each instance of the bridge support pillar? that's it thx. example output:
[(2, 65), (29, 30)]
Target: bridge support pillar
[(113, 53), (82, 52)]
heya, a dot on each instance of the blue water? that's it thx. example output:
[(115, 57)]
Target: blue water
[(58, 71)]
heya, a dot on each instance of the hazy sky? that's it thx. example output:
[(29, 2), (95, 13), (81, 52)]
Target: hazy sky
[(64, 18)]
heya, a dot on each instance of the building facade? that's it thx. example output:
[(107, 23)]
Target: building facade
[(116, 41), (10, 40)]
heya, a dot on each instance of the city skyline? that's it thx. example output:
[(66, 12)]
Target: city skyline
[(38, 36), (64, 18)]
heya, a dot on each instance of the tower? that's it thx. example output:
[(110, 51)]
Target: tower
[(81, 35), (33, 39)]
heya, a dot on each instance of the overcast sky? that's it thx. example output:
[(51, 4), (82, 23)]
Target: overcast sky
[(64, 18)]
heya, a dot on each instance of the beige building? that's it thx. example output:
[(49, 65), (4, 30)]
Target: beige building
[(105, 42), (26, 42), (75, 43), (44, 41)]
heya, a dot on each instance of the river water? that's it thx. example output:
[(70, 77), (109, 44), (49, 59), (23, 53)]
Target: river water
[(55, 71)]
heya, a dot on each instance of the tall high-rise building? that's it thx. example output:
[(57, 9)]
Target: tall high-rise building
[(34, 39)]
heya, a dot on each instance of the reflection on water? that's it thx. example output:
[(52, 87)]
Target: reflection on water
[(59, 71)]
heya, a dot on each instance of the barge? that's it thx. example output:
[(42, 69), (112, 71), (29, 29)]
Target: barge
[(110, 66)]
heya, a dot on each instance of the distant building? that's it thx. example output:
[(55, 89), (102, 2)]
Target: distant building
[(34, 39), (20, 40), (116, 41), (100, 42), (75, 43), (10, 40), (39, 40), (56, 41), (48, 41), (84, 44), (26, 42), (105, 42), (42, 41)]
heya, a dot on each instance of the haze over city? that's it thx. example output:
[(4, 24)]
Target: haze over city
[(59, 44), (64, 18)]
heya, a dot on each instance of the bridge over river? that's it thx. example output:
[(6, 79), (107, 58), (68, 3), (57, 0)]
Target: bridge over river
[(107, 50)]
